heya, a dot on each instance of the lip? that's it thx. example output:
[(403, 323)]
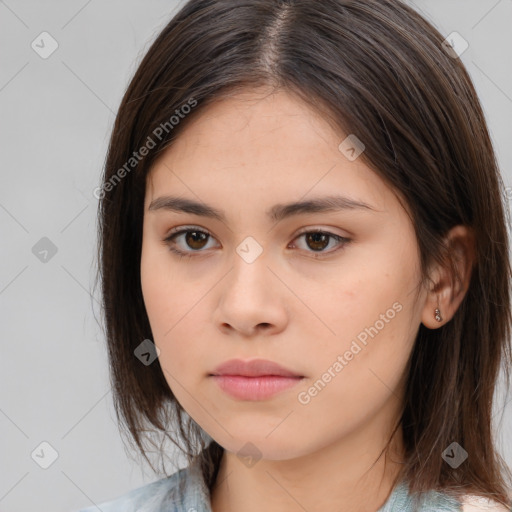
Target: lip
[(254, 388), (257, 379), (253, 368)]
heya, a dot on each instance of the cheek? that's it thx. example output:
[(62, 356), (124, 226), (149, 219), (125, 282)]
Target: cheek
[(373, 319), (374, 337), (172, 310), (154, 283), (360, 370), (363, 303), (161, 303)]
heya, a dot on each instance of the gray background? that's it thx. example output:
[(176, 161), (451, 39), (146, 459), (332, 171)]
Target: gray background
[(56, 117)]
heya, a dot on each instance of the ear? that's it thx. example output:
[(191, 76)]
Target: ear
[(448, 287)]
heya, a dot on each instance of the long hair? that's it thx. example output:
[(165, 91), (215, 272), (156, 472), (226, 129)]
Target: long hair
[(374, 68)]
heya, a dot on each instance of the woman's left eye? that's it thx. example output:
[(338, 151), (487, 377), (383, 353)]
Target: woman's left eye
[(319, 240), (197, 239)]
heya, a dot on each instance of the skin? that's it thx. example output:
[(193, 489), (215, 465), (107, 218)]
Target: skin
[(299, 304)]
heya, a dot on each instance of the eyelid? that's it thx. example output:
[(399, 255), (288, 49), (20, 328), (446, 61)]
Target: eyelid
[(306, 229), (327, 230)]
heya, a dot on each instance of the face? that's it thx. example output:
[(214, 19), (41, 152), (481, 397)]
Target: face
[(329, 294)]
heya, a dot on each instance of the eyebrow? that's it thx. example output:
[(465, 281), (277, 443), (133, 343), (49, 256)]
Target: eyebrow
[(276, 213)]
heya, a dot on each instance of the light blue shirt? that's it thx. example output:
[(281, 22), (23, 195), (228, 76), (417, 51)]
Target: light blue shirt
[(185, 491)]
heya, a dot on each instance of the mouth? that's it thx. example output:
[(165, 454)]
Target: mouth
[(258, 379)]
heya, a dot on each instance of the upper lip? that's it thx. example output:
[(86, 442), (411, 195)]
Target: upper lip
[(253, 368)]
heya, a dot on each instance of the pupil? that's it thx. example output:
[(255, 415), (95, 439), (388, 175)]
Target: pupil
[(316, 237), (194, 234)]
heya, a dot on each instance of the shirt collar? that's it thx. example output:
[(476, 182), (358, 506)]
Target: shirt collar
[(193, 494)]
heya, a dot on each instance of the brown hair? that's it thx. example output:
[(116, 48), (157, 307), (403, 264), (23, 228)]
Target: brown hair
[(374, 68)]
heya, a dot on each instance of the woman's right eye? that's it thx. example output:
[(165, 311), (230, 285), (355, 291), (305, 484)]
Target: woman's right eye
[(195, 239)]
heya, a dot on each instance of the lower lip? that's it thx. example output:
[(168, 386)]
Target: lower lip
[(254, 388)]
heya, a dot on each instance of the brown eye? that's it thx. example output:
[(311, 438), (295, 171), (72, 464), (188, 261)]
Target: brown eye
[(187, 241), (317, 241), (196, 239), (191, 240)]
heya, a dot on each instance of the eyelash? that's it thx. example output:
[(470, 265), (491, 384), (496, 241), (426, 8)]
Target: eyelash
[(343, 241)]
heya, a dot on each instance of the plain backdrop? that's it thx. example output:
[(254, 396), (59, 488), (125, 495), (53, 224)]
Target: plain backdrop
[(56, 117)]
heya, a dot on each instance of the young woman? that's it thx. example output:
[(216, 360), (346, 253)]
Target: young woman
[(305, 263)]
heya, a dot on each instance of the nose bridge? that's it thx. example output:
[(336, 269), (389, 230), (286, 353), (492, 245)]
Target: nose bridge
[(248, 296), (250, 272)]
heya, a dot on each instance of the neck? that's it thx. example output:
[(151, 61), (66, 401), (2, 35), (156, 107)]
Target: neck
[(346, 476)]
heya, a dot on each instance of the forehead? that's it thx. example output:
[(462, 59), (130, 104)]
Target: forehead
[(256, 123), (262, 147)]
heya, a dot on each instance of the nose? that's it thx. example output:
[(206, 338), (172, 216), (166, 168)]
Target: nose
[(251, 300)]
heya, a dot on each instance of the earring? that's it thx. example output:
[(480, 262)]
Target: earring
[(438, 315)]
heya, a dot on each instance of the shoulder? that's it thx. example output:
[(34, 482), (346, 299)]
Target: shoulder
[(472, 503), (147, 497), (180, 492), (437, 500)]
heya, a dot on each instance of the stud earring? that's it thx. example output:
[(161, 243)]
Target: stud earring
[(438, 315)]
